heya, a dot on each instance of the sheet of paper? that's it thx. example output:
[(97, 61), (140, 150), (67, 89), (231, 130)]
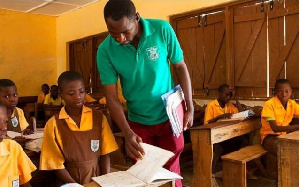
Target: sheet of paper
[(13, 134), (34, 145), (165, 174), (35, 135), (72, 185), (238, 116), (118, 179), (151, 163)]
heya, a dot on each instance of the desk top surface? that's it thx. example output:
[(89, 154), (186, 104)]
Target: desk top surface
[(290, 136)]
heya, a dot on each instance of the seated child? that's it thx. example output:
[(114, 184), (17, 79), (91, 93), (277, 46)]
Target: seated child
[(16, 167), (9, 97), (219, 109), (276, 116), (53, 97), (45, 90), (76, 142)]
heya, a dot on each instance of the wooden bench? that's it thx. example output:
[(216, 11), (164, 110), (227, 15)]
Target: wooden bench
[(234, 164)]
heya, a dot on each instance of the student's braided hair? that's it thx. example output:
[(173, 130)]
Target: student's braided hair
[(6, 83), (67, 77), (117, 9)]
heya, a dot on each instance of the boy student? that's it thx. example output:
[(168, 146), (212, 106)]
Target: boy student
[(276, 116), (16, 167), (45, 90), (140, 52), (222, 108), (53, 97), (9, 97), (76, 142)]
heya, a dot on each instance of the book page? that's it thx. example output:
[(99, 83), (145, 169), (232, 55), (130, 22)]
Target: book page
[(238, 116), (118, 179), (151, 163), (165, 174)]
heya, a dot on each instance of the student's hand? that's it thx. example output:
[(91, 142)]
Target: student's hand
[(27, 131), (225, 116), (132, 145), (21, 140)]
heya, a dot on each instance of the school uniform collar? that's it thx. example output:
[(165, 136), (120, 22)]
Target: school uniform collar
[(217, 104), (278, 104), (3, 149), (64, 115), (147, 31)]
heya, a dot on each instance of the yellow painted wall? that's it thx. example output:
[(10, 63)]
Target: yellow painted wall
[(27, 50), (89, 20)]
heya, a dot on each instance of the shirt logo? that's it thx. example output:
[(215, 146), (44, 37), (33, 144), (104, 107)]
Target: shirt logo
[(14, 121), (152, 53), (15, 183), (94, 145)]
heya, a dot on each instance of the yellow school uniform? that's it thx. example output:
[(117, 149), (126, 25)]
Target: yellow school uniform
[(273, 110), (58, 101), (14, 164), (89, 99), (214, 109), (41, 98), (51, 156), (22, 120)]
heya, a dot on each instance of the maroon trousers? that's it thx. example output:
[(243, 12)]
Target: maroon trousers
[(161, 135)]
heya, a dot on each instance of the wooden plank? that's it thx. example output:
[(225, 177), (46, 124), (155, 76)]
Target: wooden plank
[(187, 23), (234, 174), (202, 158), (288, 160), (245, 154), (249, 47), (215, 18), (229, 46), (249, 17), (234, 130)]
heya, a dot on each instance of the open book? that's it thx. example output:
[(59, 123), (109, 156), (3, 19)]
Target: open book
[(238, 116), (146, 172), (174, 103)]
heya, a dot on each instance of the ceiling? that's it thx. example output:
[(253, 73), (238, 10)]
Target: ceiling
[(45, 7)]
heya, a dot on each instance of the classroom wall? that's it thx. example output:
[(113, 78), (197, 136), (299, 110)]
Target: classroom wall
[(89, 20), (27, 50)]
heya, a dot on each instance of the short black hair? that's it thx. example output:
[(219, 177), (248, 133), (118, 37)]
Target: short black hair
[(6, 83), (281, 81), (222, 87), (117, 9), (45, 85), (67, 77)]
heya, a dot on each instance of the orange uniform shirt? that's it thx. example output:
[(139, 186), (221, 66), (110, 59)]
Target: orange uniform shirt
[(51, 156), (88, 99), (58, 101), (22, 120), (15, 166), (214, 109), (273, 110), (41, 98)]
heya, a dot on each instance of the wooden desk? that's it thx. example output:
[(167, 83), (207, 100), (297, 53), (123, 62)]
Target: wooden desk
[(203, 138), (94, 184), (288, 159)]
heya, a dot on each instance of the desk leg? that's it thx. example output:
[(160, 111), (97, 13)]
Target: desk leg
[(203, 155)]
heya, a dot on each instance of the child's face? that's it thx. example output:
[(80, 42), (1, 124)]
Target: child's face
[(54, 92), (73, 93), (9, 97), (45, 89), (3, 123), (225, 96), (283, 92)]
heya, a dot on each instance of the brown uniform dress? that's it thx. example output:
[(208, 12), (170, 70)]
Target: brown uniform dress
[(10, 126), (79, 149)]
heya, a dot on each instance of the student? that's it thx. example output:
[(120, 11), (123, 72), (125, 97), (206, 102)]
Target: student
[(15, 167), (76, 142), (276, 116), (222, 108), (140, 52), (53, 97), (45, 90), (9, 97)]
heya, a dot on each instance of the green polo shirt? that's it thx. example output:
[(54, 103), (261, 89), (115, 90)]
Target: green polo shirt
[(144, 72)]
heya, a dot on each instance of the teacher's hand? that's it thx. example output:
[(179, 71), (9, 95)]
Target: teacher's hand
[(132, 145)]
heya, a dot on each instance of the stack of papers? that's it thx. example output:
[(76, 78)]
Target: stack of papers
[(35, 143), (174, 103), (146, 172), (33, 136)]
